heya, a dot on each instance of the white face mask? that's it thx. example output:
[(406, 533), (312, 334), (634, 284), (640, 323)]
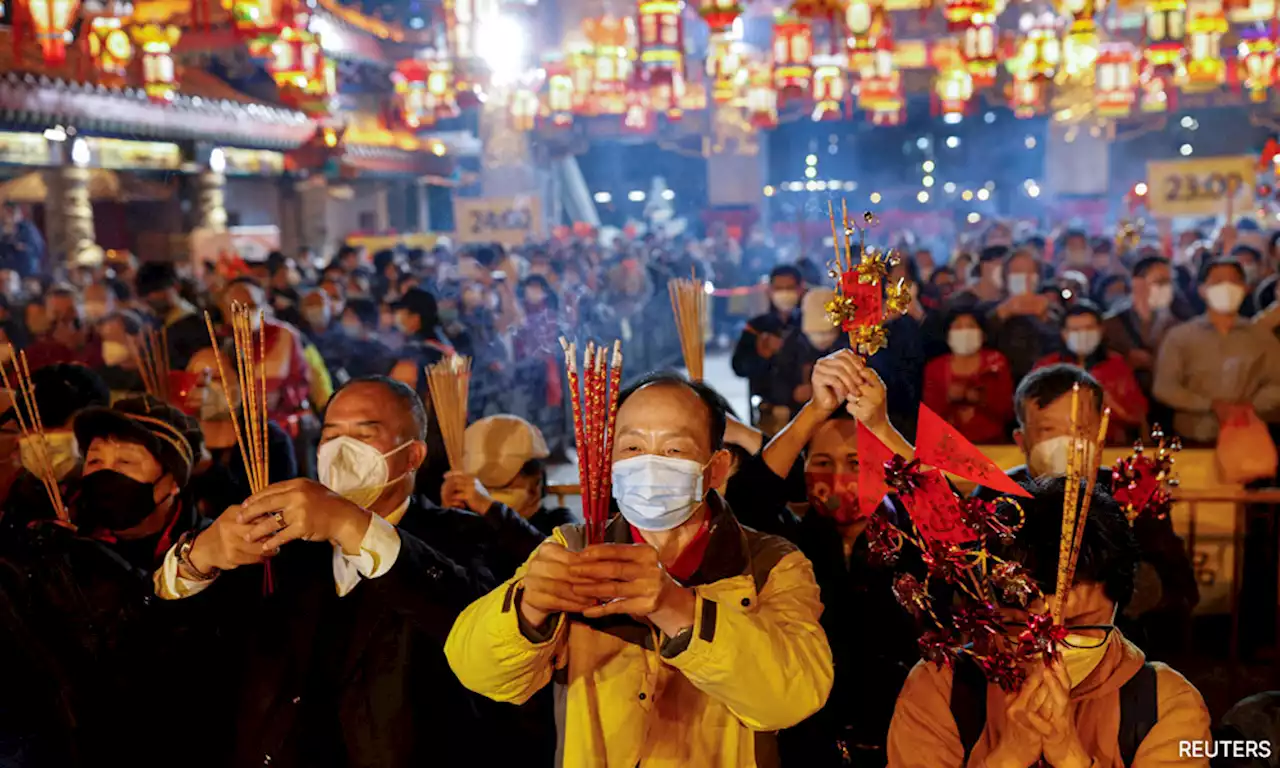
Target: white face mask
[(1160, 296), (61, 448), (1020, 285), (657, 493), (354, 470), (821, 339), (964, 341), (1083, 343), (785, 301), (114, 352), (1049, 457), (523, 500), (1224, 298)]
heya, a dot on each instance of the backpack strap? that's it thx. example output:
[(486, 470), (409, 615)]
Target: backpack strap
[(1139, 711), (968, 702)]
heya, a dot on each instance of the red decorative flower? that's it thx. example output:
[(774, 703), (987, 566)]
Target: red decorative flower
[(938, 646), (944, 561), (1041, 638), (984, 518), (902, 476), (1013, 584), (883, 540), (911, 594)]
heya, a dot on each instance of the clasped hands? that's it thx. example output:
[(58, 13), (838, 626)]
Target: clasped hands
[(1039, 721), (294, 510), (603, 580)]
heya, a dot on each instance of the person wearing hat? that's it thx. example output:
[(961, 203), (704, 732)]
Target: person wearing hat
[(85, 649), (61, 391), (507, 457), (157, 285), (138, 457)]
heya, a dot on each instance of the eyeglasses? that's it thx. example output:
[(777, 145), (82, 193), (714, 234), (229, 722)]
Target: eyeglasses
[(1082, 636), (1088, 636)]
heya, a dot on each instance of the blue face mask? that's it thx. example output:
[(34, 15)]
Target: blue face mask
[(657, 493)]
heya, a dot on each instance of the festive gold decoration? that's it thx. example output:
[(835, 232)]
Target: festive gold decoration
[(862, 302), (1083, 457)]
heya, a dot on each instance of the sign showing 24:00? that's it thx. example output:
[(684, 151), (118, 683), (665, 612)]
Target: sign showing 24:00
[(1200, 187)]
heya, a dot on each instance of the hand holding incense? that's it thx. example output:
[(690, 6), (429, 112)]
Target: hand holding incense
[(32, 428)]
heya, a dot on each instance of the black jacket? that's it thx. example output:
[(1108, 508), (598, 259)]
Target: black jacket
[(873, 639), (95, 668), (748, 363), (359, 680)]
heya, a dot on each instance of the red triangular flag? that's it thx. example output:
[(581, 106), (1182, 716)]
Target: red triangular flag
[(939, 445), (872, 454), (935, 511)]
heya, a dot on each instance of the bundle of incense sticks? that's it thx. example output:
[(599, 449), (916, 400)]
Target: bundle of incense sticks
[(689, 302), (251, 378), (594, 397), (31, 426), (450, 381), (1083, 458), (152, 359)]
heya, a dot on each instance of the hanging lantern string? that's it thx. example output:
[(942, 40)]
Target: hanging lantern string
[(449, 382), (31, 427)]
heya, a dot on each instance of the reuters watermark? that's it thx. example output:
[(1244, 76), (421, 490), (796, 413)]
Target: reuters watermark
[(1236, 749)]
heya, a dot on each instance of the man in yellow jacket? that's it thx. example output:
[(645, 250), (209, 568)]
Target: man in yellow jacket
[(684, 639)]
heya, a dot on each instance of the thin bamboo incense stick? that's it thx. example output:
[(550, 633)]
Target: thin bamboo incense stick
[(688, 301), (449, 382), (263, 475), (226, 393), (1069, 509), (32, 426), (1091, 466)]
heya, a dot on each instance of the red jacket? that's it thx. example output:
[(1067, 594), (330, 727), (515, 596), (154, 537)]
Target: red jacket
[(1123, 395), (986, 407)]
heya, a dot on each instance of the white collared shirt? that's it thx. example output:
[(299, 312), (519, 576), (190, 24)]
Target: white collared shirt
[(379, 550)]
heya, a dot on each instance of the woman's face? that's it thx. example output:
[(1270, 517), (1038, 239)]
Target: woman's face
[(965, 322)]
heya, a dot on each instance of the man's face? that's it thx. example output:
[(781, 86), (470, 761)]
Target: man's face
[(1076, 244), (1224, 274), (788, 288), (669, 420), (834, 448), (244, 295), (365, 412), (160, 301), (1054, 420), (945, 282), (1156, 275)]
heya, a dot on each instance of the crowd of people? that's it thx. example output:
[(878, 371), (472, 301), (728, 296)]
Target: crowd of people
[(374, 606), (1175, 339)]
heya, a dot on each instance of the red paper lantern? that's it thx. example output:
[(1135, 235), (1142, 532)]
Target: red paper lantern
[(978, 48), (559, 96), (762, 99), (1027, 97), (952, 91), (1166, 33), (1115, 80), (869, 29), (830, 89), (1205, 67), (49, 21), (661, 39), (724, 70), (792, 57), (1040, 48), (1257, 63), (958, 13), (719, 14)]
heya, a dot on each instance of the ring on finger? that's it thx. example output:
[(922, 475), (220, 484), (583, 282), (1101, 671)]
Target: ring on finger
[(279, 518)]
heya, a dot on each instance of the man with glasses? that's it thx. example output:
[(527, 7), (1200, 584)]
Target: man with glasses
[(1098, 703)]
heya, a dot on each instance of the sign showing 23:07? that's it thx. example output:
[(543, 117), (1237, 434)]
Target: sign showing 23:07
[(1200, 187)]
